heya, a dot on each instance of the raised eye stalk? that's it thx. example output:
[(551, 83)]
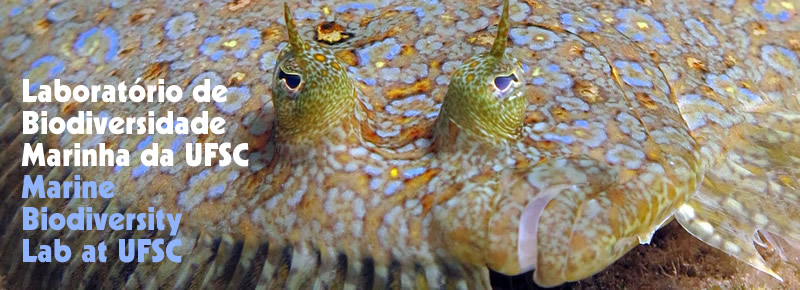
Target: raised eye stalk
[(311, 90), (499, 46), (294, 37), (485, 96)]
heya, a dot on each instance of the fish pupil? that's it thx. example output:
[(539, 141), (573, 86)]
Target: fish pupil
[(502, 83), (292, 80)]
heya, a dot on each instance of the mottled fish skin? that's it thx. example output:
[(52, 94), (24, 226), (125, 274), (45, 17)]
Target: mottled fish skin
[(322, 97), (399, 169)]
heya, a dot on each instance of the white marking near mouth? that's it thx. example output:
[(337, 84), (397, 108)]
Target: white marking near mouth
[(527, 238)]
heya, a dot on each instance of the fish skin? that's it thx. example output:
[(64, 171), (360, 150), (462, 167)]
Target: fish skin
[(641, 110)]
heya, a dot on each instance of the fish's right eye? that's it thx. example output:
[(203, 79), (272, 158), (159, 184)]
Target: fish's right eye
[(290, 80), (503, 83)]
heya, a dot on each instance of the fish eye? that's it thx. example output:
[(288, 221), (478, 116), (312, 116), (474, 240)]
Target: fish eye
[(503, 83), (292, 81)]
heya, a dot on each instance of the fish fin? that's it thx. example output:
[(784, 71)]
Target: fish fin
[(214, 261), (304, 265), (719, 231), (753, 188)]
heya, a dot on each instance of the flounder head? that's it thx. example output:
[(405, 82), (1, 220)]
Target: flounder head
[(311, 89), (485, 97)]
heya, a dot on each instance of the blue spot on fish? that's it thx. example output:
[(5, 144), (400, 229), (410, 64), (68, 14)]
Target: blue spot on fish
[(375, 183), (56, 69), (112, 40), (217, 55), (142, 145), (372, 170), (139, 171), (414, 172), (117, 168), (750, 94), (354, 6), (176, 144), (216, 191), (636, 82), (15, 11), (411, 113), (393, 51), (363, 57), (554, 137), (393, 187)]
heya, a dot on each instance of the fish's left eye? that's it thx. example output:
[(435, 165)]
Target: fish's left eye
[(503, 83), (292, 81)]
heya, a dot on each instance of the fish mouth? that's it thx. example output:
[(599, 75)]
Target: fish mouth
[(528, 232)]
